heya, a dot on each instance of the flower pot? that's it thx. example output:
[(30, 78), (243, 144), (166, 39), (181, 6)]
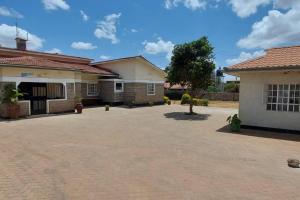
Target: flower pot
[(107, 108), (13, 111), (79, 108)]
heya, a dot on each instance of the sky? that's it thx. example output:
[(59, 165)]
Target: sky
[(109, 29)]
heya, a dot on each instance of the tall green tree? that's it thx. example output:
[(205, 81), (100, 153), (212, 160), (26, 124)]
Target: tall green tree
[(192, 65)]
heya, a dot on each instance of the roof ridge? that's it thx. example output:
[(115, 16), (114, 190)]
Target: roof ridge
[(283, 47)]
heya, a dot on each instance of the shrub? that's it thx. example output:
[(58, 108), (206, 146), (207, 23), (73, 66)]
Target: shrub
[(234, 123), (166, 99), (200, 102), (185, 99), (212, 89), (231, 87), (10, 94)]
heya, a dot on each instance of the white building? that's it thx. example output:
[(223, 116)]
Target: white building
[(270, 89)]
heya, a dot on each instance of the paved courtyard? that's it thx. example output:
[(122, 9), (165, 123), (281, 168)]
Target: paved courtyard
[(143, 154)]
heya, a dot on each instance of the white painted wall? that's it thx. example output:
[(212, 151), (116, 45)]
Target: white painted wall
[(253, 107), (135, 69)]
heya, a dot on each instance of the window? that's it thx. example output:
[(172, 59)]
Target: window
[(92, 89), (119, 86), (54, 91), (283, 97), (150, 89)]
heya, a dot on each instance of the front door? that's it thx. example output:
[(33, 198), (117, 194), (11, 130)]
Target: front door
[(38, 99)]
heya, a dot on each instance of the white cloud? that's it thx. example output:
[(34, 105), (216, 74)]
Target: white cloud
[(274, 29), (8, 12), (54, 50), (104, 57), (83, 46), (134, 30), (107, 28), (245, 8), (244, 56), (286, 4), (8, 35), (55, 4), (84, 16), (160, 46), (191, 4)]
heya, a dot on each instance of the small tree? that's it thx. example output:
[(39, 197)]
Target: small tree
[(192, 65)]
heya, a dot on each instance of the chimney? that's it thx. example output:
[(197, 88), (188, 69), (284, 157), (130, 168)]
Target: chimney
[(21, 44)]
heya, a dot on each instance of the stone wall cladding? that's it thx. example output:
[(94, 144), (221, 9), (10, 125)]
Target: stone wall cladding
[(58, 106), (220, 96), (107, 93), (137, 92), (24, 108)]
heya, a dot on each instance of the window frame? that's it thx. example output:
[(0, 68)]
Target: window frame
[(115, 86), (152, 93), (92, 93), (283, 97)]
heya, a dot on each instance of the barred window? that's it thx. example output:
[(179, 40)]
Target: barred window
[(92, 89), (55, 91), (283, 97), (150, 89)]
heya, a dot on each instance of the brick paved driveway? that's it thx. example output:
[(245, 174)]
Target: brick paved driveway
[(141, 154)]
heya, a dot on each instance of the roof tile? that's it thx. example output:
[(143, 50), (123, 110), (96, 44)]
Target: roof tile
[(275, 58), (49, 64)]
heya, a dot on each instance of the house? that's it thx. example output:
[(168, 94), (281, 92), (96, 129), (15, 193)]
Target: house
[(270, 89), (52, 82)]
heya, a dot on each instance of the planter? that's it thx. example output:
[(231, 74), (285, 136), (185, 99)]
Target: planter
[(107, 108), (79, 108), (13, 111)]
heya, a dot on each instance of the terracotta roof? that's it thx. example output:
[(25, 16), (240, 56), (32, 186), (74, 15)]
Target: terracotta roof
[(11, 52), (275, 58), (174, 87), (30, 61)]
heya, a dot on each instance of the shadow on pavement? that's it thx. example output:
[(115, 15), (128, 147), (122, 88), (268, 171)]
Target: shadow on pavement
[(184, 116), (263, 134)]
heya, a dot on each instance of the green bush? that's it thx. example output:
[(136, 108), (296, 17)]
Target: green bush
[(185, 99), (234, 123), (212, 89), (231, 87), (166, 99), (200, 102)]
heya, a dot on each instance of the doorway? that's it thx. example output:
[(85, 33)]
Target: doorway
[(36, 93)]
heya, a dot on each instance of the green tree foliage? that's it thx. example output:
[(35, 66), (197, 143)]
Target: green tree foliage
[(231, 87), (192, 64)]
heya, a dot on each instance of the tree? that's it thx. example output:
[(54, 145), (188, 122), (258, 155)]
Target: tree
[(192, 65)]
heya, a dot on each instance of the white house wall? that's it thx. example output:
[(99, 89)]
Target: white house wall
[(253, 100)]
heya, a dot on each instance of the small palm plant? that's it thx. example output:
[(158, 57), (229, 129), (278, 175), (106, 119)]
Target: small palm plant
[(10, 98), (234, 123)]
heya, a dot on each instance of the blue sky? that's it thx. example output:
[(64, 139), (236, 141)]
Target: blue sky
[(107, 29)]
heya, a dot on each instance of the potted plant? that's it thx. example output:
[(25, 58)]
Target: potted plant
[(10, 99), (78, 105), (106, 107), (234, 123)]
